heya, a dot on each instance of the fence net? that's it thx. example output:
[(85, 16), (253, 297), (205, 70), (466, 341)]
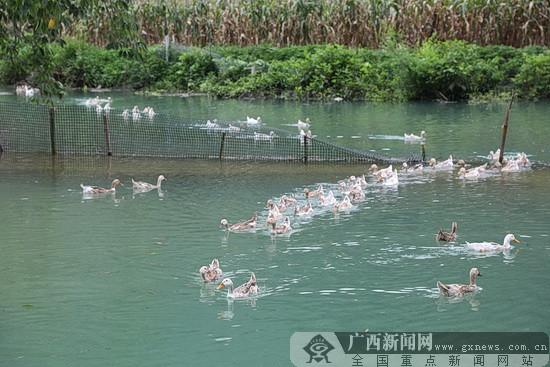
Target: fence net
[(78, 130)]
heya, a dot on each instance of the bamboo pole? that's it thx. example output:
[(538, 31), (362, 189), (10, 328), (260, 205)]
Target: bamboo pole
[(423, 152), (305, 149), (505, 130), (52, 131)]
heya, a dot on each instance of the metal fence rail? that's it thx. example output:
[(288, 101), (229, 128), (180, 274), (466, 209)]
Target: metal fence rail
[(71, 129)]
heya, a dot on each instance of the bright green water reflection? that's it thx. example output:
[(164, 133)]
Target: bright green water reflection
[(113, 281)]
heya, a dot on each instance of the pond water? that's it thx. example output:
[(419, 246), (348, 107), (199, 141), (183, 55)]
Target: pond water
[(114, 280)]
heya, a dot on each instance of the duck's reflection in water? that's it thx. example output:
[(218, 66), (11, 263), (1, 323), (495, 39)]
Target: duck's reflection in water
[(444, 302)]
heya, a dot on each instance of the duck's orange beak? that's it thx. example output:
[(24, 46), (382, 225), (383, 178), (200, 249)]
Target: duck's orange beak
[(516, 240), (221, 286)]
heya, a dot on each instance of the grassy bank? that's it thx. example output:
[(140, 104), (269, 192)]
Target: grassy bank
[(450, 70)]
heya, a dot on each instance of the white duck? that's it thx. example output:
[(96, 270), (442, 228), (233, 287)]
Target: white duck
[(343, 205), (263, 137), (494, 156), (253, 121), (304, 126), (281, 229), (245, 290), (411, 138), (452, 290), (211, 272), (303, 210), (445, 165), (100, 190), (126, 114), (471, 174), (493, 246), (391, 179), (144, 186), (327, 200), (136, 114)]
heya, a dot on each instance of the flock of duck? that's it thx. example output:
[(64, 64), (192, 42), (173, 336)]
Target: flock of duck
[(250, 122), (137, 186), (104, 106), (343, 197), (349, 192)]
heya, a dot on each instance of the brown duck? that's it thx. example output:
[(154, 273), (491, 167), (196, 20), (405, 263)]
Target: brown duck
[(447, 236)]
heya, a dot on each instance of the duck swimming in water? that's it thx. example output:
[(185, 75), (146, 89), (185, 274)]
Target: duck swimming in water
[(211, 272), (493, 246), (452, 290), (248, 289), (100, 190), (281, 229), (144, 186), (242, 226), (448, 236)]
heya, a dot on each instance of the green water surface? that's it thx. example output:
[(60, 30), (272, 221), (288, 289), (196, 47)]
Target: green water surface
[(114, 281)]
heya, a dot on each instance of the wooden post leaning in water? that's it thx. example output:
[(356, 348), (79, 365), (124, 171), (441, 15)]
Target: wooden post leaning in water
[(52, 131), (505, 130), (107, 135)]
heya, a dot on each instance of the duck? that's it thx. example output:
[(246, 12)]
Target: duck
[(263, 137), (391, 179), (494, 156), (415, 138), (470, 174), (126, 114), (144, 186), (287, 201), (211, 125), (90, 102), (151, 114), (211, 272), (304, 126), (281, 229), (245, 225), (313, 193), (305, 133), (522, 160), (98, 109), (381, 174), (493, 246), (234, 129), (107, 108), (356, 193), (444, 165), (100, 190), (248, 289), (447, 236), (343, 205), (452, 290), (327, 200), (418, 168), (303, 210), (511, 165), (136, 114), (253, 121)]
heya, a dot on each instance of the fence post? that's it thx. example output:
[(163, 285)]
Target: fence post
[(221, 145), (107, 135), (52, 131), (305, 149)]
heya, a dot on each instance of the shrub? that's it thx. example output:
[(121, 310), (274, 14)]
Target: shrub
[(533, 79)]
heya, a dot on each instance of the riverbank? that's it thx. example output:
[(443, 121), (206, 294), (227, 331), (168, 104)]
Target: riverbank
[(449, 71)]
